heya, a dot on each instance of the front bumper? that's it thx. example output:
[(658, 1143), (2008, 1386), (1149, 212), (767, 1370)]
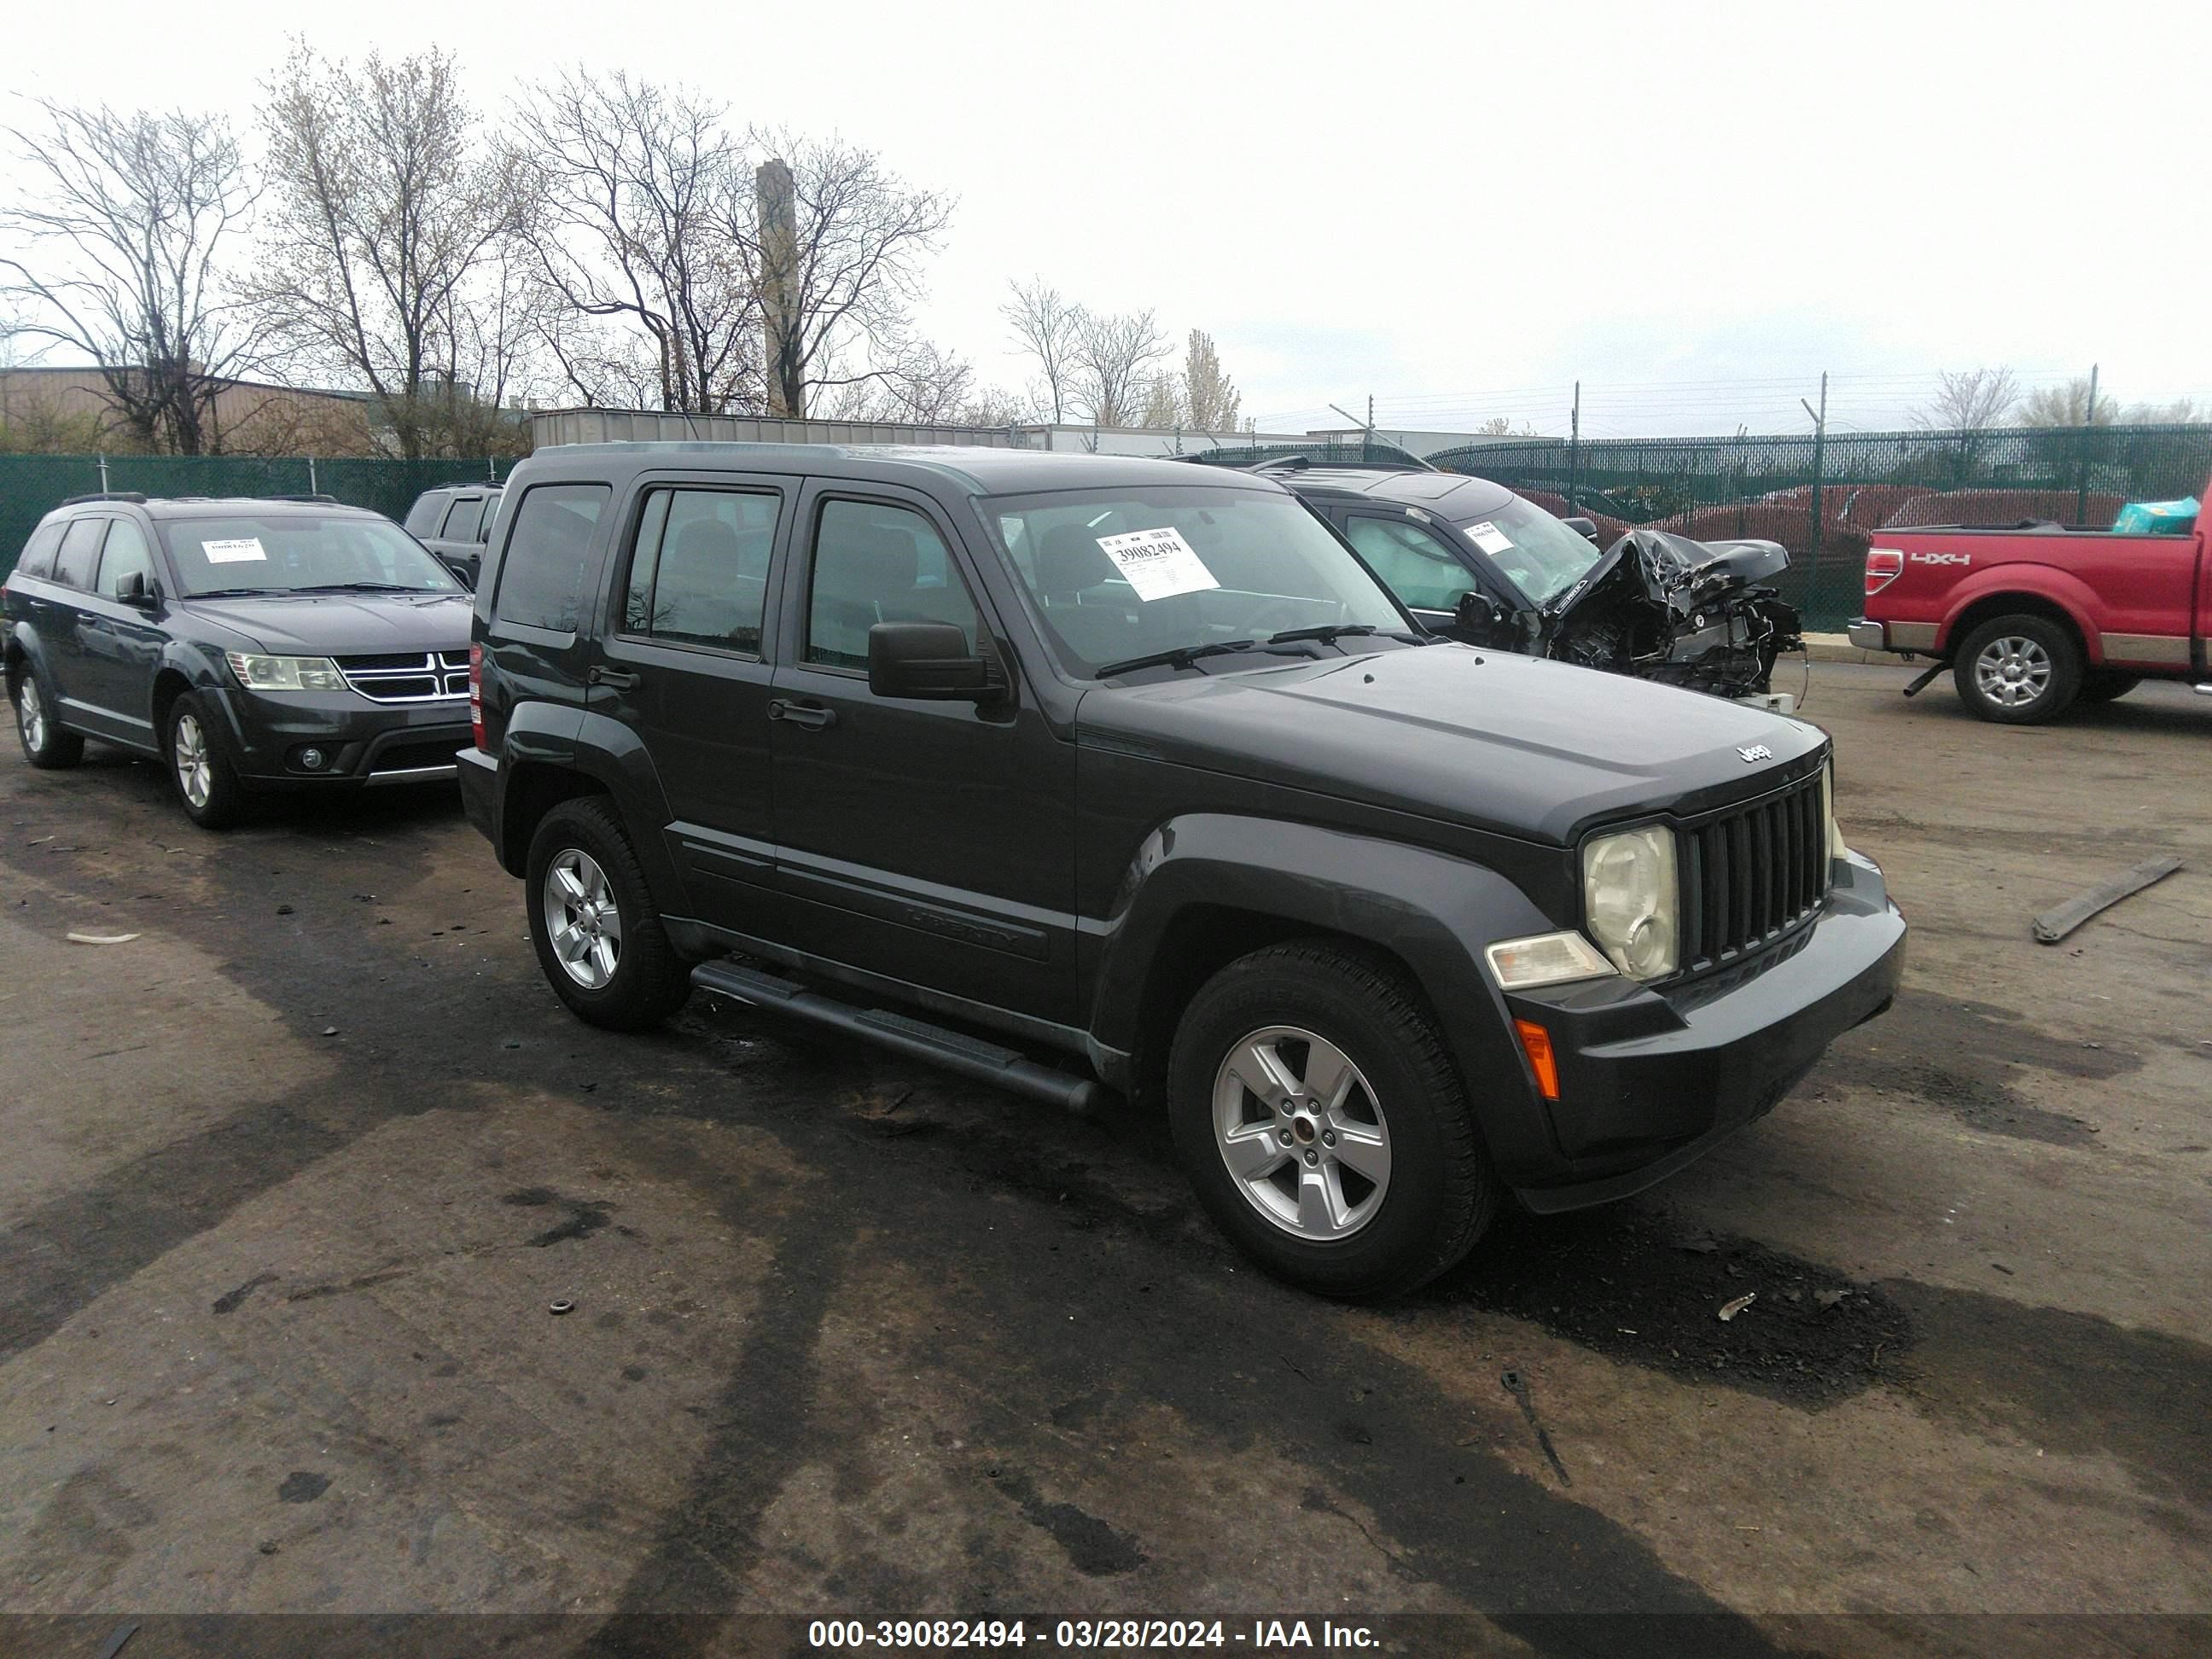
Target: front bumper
[(360, 742), (1651, 1079), (1867, 635)]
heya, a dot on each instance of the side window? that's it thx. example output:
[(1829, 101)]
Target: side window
[(874, 563), (491, 513), (126, 552), (699, 574), (541, 581), (1413, 564), (80, 555), (422, 517), (37, 559), (461, 519)]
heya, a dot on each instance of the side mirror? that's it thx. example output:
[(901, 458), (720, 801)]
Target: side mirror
[(1481, 614), (1586, 528), (133, 589), (927, 661)]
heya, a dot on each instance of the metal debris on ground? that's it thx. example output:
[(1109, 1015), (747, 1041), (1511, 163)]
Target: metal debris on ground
[(561, 1306), (102, 939), (1730, 1309), (2054, 925)]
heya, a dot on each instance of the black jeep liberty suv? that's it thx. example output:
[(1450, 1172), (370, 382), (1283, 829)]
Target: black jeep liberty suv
[(1070, 771)]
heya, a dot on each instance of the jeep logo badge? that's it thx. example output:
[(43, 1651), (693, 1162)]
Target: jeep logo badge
[(1758, 752)]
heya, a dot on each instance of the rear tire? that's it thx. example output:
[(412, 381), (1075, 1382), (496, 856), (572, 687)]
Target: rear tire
[(2019, 671), (2107, 685), (1384, 1182), (200, 771), (593, 922), (45, 744)]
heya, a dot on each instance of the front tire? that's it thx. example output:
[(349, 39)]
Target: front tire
[(45, 744), (1322, 1123), (200, 771), (2018, 670), (593, 922)]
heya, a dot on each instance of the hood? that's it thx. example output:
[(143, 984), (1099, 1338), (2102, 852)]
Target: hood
[(1518, 746), (342, 624), (1676, 571)]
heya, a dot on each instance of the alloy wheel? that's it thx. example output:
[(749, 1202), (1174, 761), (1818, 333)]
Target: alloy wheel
[(195, 765), (2012, 670), (1301, 1133), (31, 713), (582, 919)]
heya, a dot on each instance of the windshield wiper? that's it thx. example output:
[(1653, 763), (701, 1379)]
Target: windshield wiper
[(234, 593), (1325, 632), (1182, 656), (363, 588)]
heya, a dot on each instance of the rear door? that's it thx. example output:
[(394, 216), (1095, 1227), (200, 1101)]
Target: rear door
[(932, 842), (60, 619), (684, 665)]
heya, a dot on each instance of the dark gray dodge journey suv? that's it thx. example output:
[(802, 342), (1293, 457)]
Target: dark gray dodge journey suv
[(1070, 772), (245, 644)]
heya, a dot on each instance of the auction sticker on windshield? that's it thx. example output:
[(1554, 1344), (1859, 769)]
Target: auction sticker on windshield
[(1489, 537), (1157, 563), (244, 550)]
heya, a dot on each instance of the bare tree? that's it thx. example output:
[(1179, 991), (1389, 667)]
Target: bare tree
[(925, 384), (1050, 329), (634, 187), (2182, 411), (1973, 401), (1163, 407), (1211, 399), (1114, 359), (839, 279), (2066, 405), (389, 218), (122, 238)]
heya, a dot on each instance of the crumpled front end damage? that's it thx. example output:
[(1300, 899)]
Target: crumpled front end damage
[(1694, 614)]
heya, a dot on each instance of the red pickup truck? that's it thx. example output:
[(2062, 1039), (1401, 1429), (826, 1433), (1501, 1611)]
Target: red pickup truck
[(2033, 618)]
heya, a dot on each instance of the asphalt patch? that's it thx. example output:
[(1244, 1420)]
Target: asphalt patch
[(1094, 1548), (1638, 1285)]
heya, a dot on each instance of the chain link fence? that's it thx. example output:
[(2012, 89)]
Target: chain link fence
[(1825, 498), (31, 486)]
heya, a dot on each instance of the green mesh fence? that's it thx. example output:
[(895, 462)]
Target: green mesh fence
[(1851, 485), (31, 486)]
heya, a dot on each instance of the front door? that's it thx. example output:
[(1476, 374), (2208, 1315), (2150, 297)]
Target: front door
[(683, 666), (932, 842), (121, 644), (1415, 563)]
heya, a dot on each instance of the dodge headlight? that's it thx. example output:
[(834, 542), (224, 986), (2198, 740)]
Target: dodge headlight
[(258, 673), (1632, 901)]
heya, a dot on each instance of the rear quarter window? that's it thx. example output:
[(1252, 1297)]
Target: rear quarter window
[(549, 553), (38, 557), (422, 517)]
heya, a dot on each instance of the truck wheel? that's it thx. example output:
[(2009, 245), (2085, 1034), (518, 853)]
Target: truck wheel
[(1323, 1125), (44, 743), (2020, 671), (2107, 685), (200, 771), (598, 932)]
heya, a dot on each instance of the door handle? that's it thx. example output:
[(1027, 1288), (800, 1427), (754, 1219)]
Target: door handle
[(811, 715), (618, 679)]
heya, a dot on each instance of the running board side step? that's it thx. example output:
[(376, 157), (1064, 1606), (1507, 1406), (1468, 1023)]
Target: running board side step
[(955, 1051)]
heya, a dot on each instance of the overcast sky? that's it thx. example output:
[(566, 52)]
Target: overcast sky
[(1458, 210)]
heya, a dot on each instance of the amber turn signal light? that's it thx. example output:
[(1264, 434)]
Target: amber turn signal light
[(1536, 1043)]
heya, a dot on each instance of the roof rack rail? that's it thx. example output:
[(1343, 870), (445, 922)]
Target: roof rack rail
[(137, 495), (332, 499)]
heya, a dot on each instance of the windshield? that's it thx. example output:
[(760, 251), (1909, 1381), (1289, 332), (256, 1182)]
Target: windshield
[(1121, 573), (1537, 553), (298, 552)]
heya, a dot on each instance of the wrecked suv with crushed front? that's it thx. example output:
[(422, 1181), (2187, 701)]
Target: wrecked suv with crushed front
[(1074, 774)]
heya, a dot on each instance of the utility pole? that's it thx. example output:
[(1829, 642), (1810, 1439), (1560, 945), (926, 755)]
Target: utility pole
[(1574, 446), (1820, 447), (2082, 482), (772, 190)]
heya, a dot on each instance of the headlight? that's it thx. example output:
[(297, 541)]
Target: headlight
[(285, 673), (1836, 847), (1632, 901), (1522, 964)]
